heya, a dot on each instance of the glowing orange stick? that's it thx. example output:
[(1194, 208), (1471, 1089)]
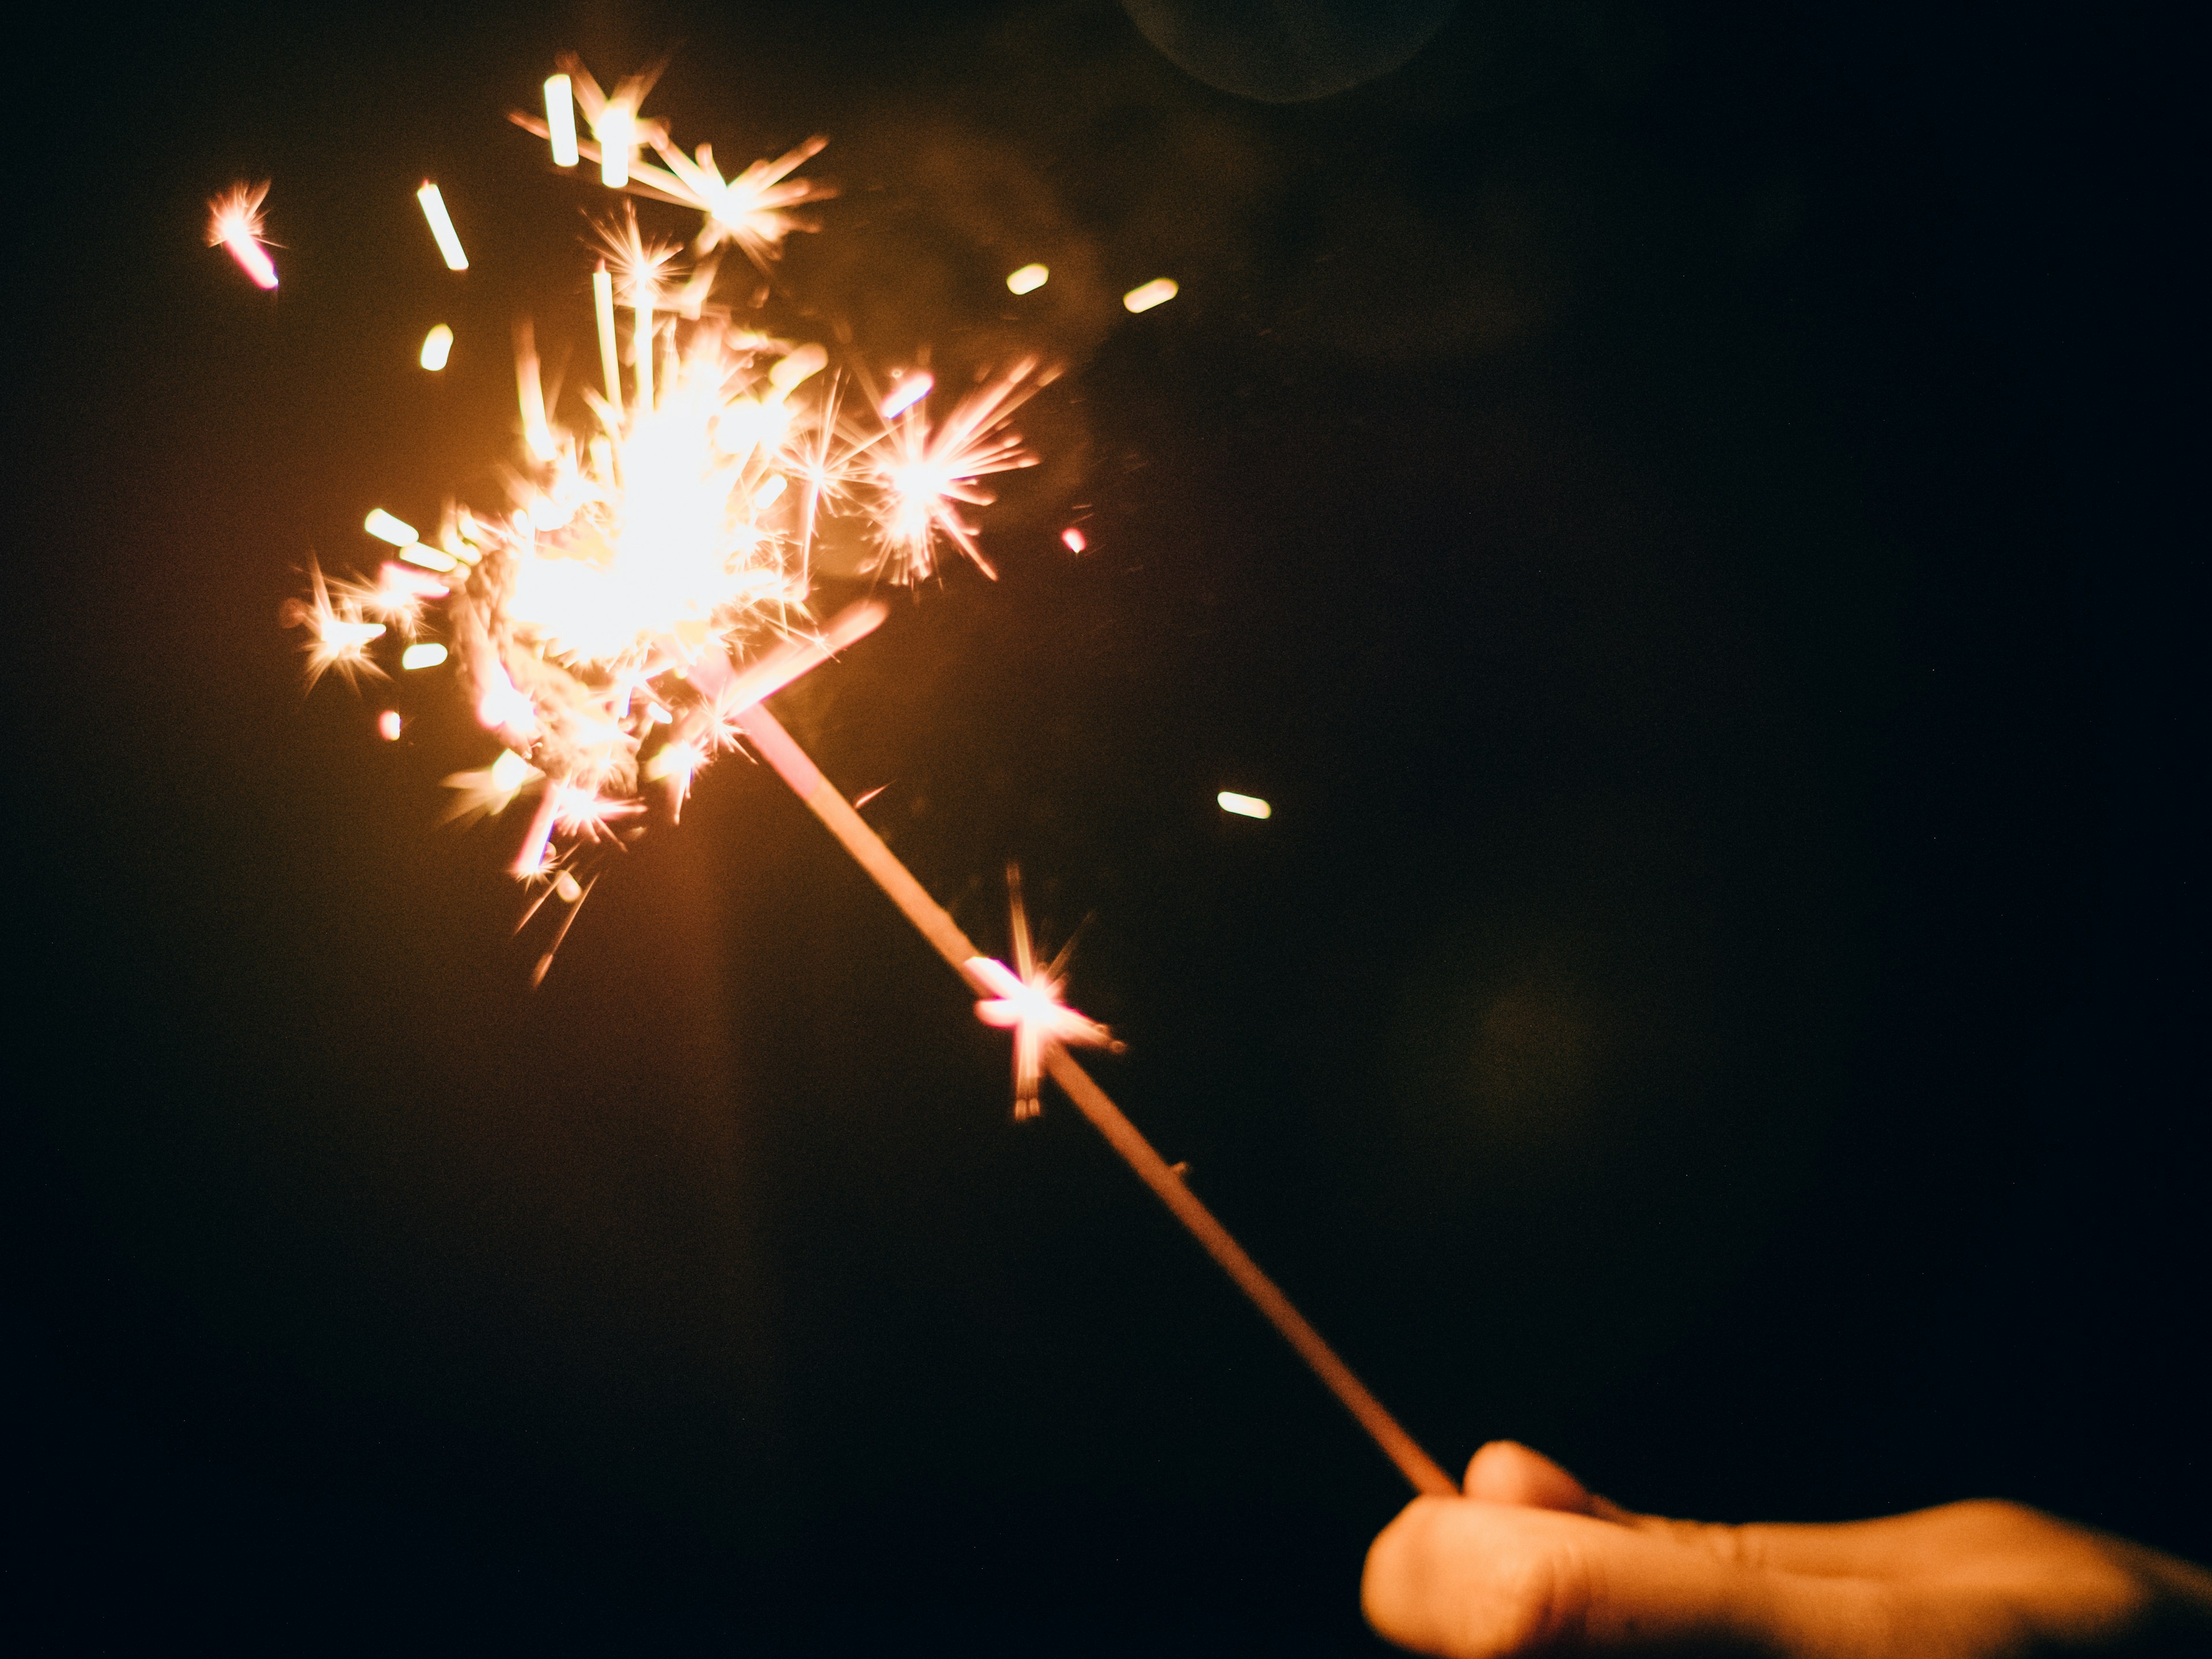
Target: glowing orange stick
[(793, 766)]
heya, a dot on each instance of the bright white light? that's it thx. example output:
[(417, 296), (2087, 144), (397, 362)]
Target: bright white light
[(429, 557), (423, 656), (1244, 806), (441, 227), (386, 528), (387, 726), (905, 394), (1157, 292), (1028, 279), (437, 346), (561, 121), (1072, 540)]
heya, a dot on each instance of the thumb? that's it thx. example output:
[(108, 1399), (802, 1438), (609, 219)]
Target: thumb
[(1475, 1580)]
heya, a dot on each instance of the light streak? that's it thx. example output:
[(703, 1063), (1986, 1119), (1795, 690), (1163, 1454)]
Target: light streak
[(561, 121), (1028, 280), (905, 394), (603, 310), (386, 528), (1244, 806), (234, 224), (441, 227), (423, 656), (437, 347), (1146, 296)]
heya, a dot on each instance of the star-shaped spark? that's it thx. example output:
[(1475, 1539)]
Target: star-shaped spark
[(1026, 1002), (337, 636), (926, 472)]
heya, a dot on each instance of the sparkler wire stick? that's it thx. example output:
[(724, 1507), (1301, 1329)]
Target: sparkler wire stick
[(797, 769)]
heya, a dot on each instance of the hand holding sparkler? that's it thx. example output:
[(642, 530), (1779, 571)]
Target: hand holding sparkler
[(1530, 1561)]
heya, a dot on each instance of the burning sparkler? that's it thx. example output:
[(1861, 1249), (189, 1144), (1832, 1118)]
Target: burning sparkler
[(618, 625)]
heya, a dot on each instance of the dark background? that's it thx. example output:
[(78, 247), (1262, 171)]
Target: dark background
[(1668, 503)]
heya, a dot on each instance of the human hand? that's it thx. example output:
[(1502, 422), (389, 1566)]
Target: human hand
[(1530, 1562)]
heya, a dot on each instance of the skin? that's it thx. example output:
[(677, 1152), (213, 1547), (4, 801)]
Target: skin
[(1531, 1562)]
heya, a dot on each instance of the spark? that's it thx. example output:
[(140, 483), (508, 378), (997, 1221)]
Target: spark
[(489, 790), (234, 224), (905, 394), (1028, 280), (423, 656), (1026, 999), (337, 637), (387, 726), (386, 528), (1072, 540), (561, 120), (437, 347), (1143, 297), (1244, 806), (927, 474), (441, 227)]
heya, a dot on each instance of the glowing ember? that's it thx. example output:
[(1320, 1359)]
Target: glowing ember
[(1028, 280), (234, 224), (1157, 292), (437, 347), (1026, 1000), (1072, 540), (423, 656), (442, 228), (561, 121), (1244, 806), (387, 726)]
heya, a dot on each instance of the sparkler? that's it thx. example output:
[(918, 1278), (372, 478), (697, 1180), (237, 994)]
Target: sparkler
[(619, 624)]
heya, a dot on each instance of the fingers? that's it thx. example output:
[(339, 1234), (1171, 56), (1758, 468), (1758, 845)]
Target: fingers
[(1477, 1580), (1507, 1472)]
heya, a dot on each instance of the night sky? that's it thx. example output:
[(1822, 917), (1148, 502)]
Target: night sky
[(1666, 502)]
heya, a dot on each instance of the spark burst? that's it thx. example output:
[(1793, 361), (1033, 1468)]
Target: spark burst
[(650, 577)]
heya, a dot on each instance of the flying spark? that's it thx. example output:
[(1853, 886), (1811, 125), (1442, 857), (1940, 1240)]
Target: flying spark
[(441, 227), (1025, 998), (234, 224)]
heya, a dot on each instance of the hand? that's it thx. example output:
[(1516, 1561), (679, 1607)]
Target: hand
[(1529, 1562)]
